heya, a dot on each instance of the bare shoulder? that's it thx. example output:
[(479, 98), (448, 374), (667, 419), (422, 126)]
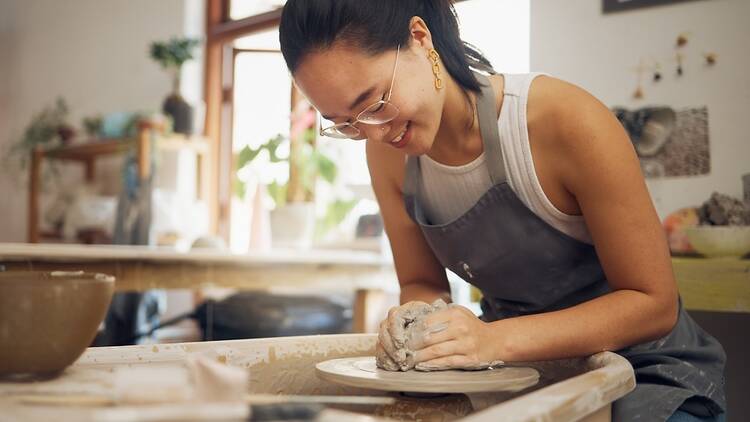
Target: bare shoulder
[(593, 158), (567, 122), (560, 104)]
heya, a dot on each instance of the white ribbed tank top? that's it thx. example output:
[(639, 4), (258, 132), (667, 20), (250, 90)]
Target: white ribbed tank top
[(447, 192)]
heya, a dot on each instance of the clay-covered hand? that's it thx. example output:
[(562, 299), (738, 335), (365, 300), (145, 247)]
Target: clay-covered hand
[(454, 338), (383, 359), (396, 331)]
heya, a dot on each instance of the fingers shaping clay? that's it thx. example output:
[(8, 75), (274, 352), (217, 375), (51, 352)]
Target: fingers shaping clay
[(402, 334), (397, 338)]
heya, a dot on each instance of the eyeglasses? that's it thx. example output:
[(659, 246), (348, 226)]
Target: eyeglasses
[(378, 113)]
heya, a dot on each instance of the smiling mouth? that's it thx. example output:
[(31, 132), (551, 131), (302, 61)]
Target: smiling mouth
[(401, 138)]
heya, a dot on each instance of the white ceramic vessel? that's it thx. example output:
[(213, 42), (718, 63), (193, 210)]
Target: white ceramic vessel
[(720, 241)]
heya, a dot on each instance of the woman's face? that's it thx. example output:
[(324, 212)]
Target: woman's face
[(342, 81)]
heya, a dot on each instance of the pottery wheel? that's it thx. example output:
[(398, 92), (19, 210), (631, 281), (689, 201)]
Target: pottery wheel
[(362, 372)]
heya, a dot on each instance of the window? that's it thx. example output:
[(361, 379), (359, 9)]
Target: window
[(261, 110), (240, 9), (248, 90), (499, 28)]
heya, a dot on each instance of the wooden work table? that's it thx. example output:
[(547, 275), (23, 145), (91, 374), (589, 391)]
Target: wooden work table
[(139, 268), (719, 285), (93, 389), (716, 291)]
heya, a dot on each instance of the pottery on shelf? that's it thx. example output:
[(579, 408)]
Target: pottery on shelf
[(48, 319), (181, 113), (720, 241)]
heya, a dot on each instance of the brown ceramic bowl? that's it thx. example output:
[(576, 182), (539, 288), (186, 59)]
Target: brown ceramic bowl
[(47, 320)]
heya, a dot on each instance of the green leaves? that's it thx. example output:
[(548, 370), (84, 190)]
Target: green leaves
[(277, 191), (273, 145), (43, 126), (335, 214), (247, 154), (310, 162), (325, 167), (41, 130), (175, 52)]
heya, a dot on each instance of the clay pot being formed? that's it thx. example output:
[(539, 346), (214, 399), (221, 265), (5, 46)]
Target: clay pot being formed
[(48, 319)]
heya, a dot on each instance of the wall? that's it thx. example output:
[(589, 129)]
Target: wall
[(574, 41), (95, 55), (12, 224)]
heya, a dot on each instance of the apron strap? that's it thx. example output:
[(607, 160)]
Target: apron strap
[(488, 125), (411, 176)]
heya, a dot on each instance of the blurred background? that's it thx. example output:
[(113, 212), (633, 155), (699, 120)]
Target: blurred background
[(168, 127)]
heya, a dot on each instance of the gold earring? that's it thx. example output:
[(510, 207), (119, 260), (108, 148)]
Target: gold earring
[(435, 57)]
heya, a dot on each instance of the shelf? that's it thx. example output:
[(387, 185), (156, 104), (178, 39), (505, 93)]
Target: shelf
[(93, 148), (86, 152), (178, 143)]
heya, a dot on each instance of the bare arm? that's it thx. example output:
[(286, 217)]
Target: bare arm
[(420, 274), (599, 167), (595, 165)]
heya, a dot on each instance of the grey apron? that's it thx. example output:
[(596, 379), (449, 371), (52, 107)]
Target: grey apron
[(524, 266)]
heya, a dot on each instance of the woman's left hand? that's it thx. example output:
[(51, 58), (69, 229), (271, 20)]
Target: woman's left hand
[(456, 338)]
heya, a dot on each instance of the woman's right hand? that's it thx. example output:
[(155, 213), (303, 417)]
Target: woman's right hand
[(392, 336), (420, 273)]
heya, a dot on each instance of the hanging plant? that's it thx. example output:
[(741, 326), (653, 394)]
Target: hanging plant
[(47, 128)]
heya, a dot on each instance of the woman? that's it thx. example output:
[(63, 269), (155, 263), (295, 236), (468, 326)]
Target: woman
[(524, 185)]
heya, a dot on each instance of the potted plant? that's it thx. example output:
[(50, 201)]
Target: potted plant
[(293, 220), (47, 128), (93, 126), (293, 217), (171, 55)]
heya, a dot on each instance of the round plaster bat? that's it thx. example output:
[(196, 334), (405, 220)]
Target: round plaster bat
[(363, 372)]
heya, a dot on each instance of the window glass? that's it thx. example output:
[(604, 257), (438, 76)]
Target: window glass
[(265, 40), (262, 97), (240, 9), (499, 28), (262, 104)]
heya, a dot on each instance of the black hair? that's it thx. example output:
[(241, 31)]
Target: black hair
[(377, 26)]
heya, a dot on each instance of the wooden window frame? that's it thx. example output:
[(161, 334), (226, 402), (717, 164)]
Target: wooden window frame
[(221, 32)]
